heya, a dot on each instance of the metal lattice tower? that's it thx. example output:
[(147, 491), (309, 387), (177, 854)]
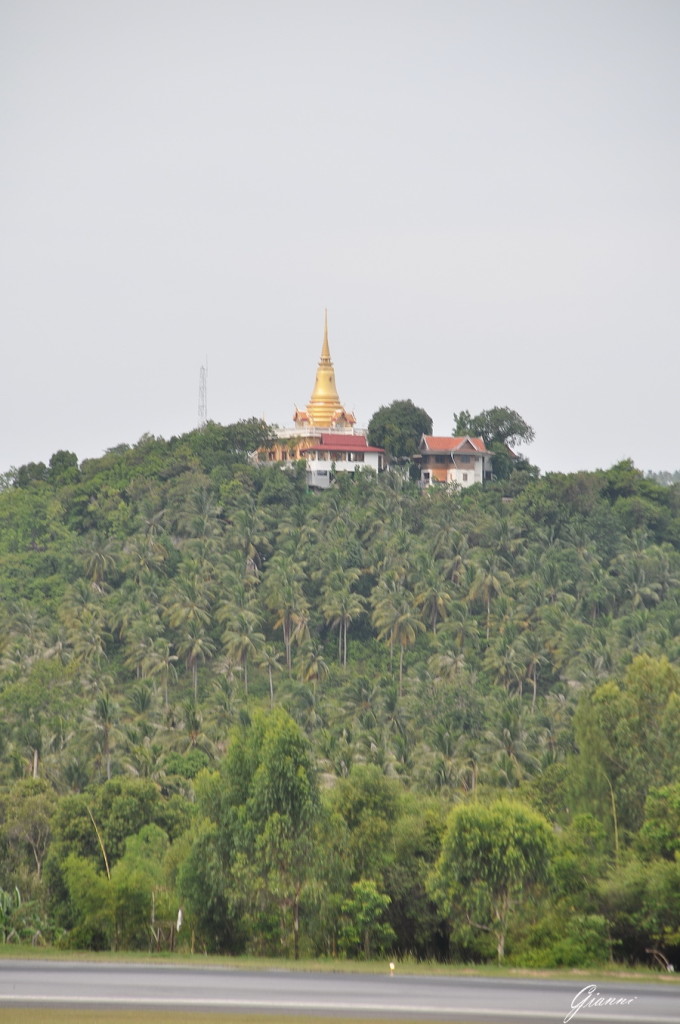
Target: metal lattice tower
[(203, 395)]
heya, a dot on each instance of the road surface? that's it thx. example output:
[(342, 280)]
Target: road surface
[(51, 984)]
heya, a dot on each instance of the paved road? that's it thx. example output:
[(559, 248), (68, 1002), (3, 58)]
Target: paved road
[(50, 984)]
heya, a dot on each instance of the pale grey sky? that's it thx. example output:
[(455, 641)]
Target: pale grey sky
[(483, 193)]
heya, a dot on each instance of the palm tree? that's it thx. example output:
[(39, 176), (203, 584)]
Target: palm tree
[(395, 617), (144, 757), (104, 717), (489, 583), (532, 651), (192, 722), (447, 664), (314, 666), (341, 606), (241, 590), (247, 534), (504, 663), (284, 595), (188, 603), (87, 635), (224, 702), (460, 631), (159, 662), (431, 592), (338, 750), (268, 657), (200, 516), (144, 558), (100, 558), (386, 599), (196, 646), (242, 640), (596, 592), (511, 743), (405, 629), (363, 701)]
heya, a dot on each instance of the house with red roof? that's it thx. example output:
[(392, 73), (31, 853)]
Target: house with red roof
[(334, 453), (453, 460)]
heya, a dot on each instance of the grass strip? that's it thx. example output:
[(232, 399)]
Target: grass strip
[(619, 972)]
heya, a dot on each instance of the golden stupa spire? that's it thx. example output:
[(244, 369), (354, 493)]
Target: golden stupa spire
[(325, 350), (324, 408)]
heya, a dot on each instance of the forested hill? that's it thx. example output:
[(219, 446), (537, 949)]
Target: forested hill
[(261, 704)]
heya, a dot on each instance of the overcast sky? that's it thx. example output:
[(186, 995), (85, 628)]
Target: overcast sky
[(483, 193)]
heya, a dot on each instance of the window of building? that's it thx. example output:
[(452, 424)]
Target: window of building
[(465, 477)]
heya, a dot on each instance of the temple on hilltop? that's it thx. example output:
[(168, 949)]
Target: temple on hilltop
[(324, 408), (325, 434)]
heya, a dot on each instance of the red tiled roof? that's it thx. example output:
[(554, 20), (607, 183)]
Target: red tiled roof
[(342, 443), (452, 444), (353, 441)]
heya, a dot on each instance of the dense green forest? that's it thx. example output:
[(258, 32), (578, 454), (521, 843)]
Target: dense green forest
[(437, 724)]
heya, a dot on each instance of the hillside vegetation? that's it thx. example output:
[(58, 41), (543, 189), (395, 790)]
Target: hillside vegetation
[(440, 724)]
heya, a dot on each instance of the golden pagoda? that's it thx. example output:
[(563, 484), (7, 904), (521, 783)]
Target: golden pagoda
[(324, 408)]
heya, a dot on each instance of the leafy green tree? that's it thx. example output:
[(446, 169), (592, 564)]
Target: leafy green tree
[(37, 709), (213, 906), (364, 926), (501, 428), (219, 446), (28, 811), (417, 840), (92, 898), (63, 468), (32, 472), (499, 425), (660, 832), (641, 901), (284, 800), (626, 733), (369, 804), (398, 428), (263, 807), (492, 854), (145, 905)]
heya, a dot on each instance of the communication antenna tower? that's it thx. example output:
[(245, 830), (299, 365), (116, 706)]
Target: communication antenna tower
[(203, 395)]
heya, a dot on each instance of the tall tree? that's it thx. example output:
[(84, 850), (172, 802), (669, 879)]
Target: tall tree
[(499, 425), (492, 854), (501, 428), (341, 606), (398, 428)]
